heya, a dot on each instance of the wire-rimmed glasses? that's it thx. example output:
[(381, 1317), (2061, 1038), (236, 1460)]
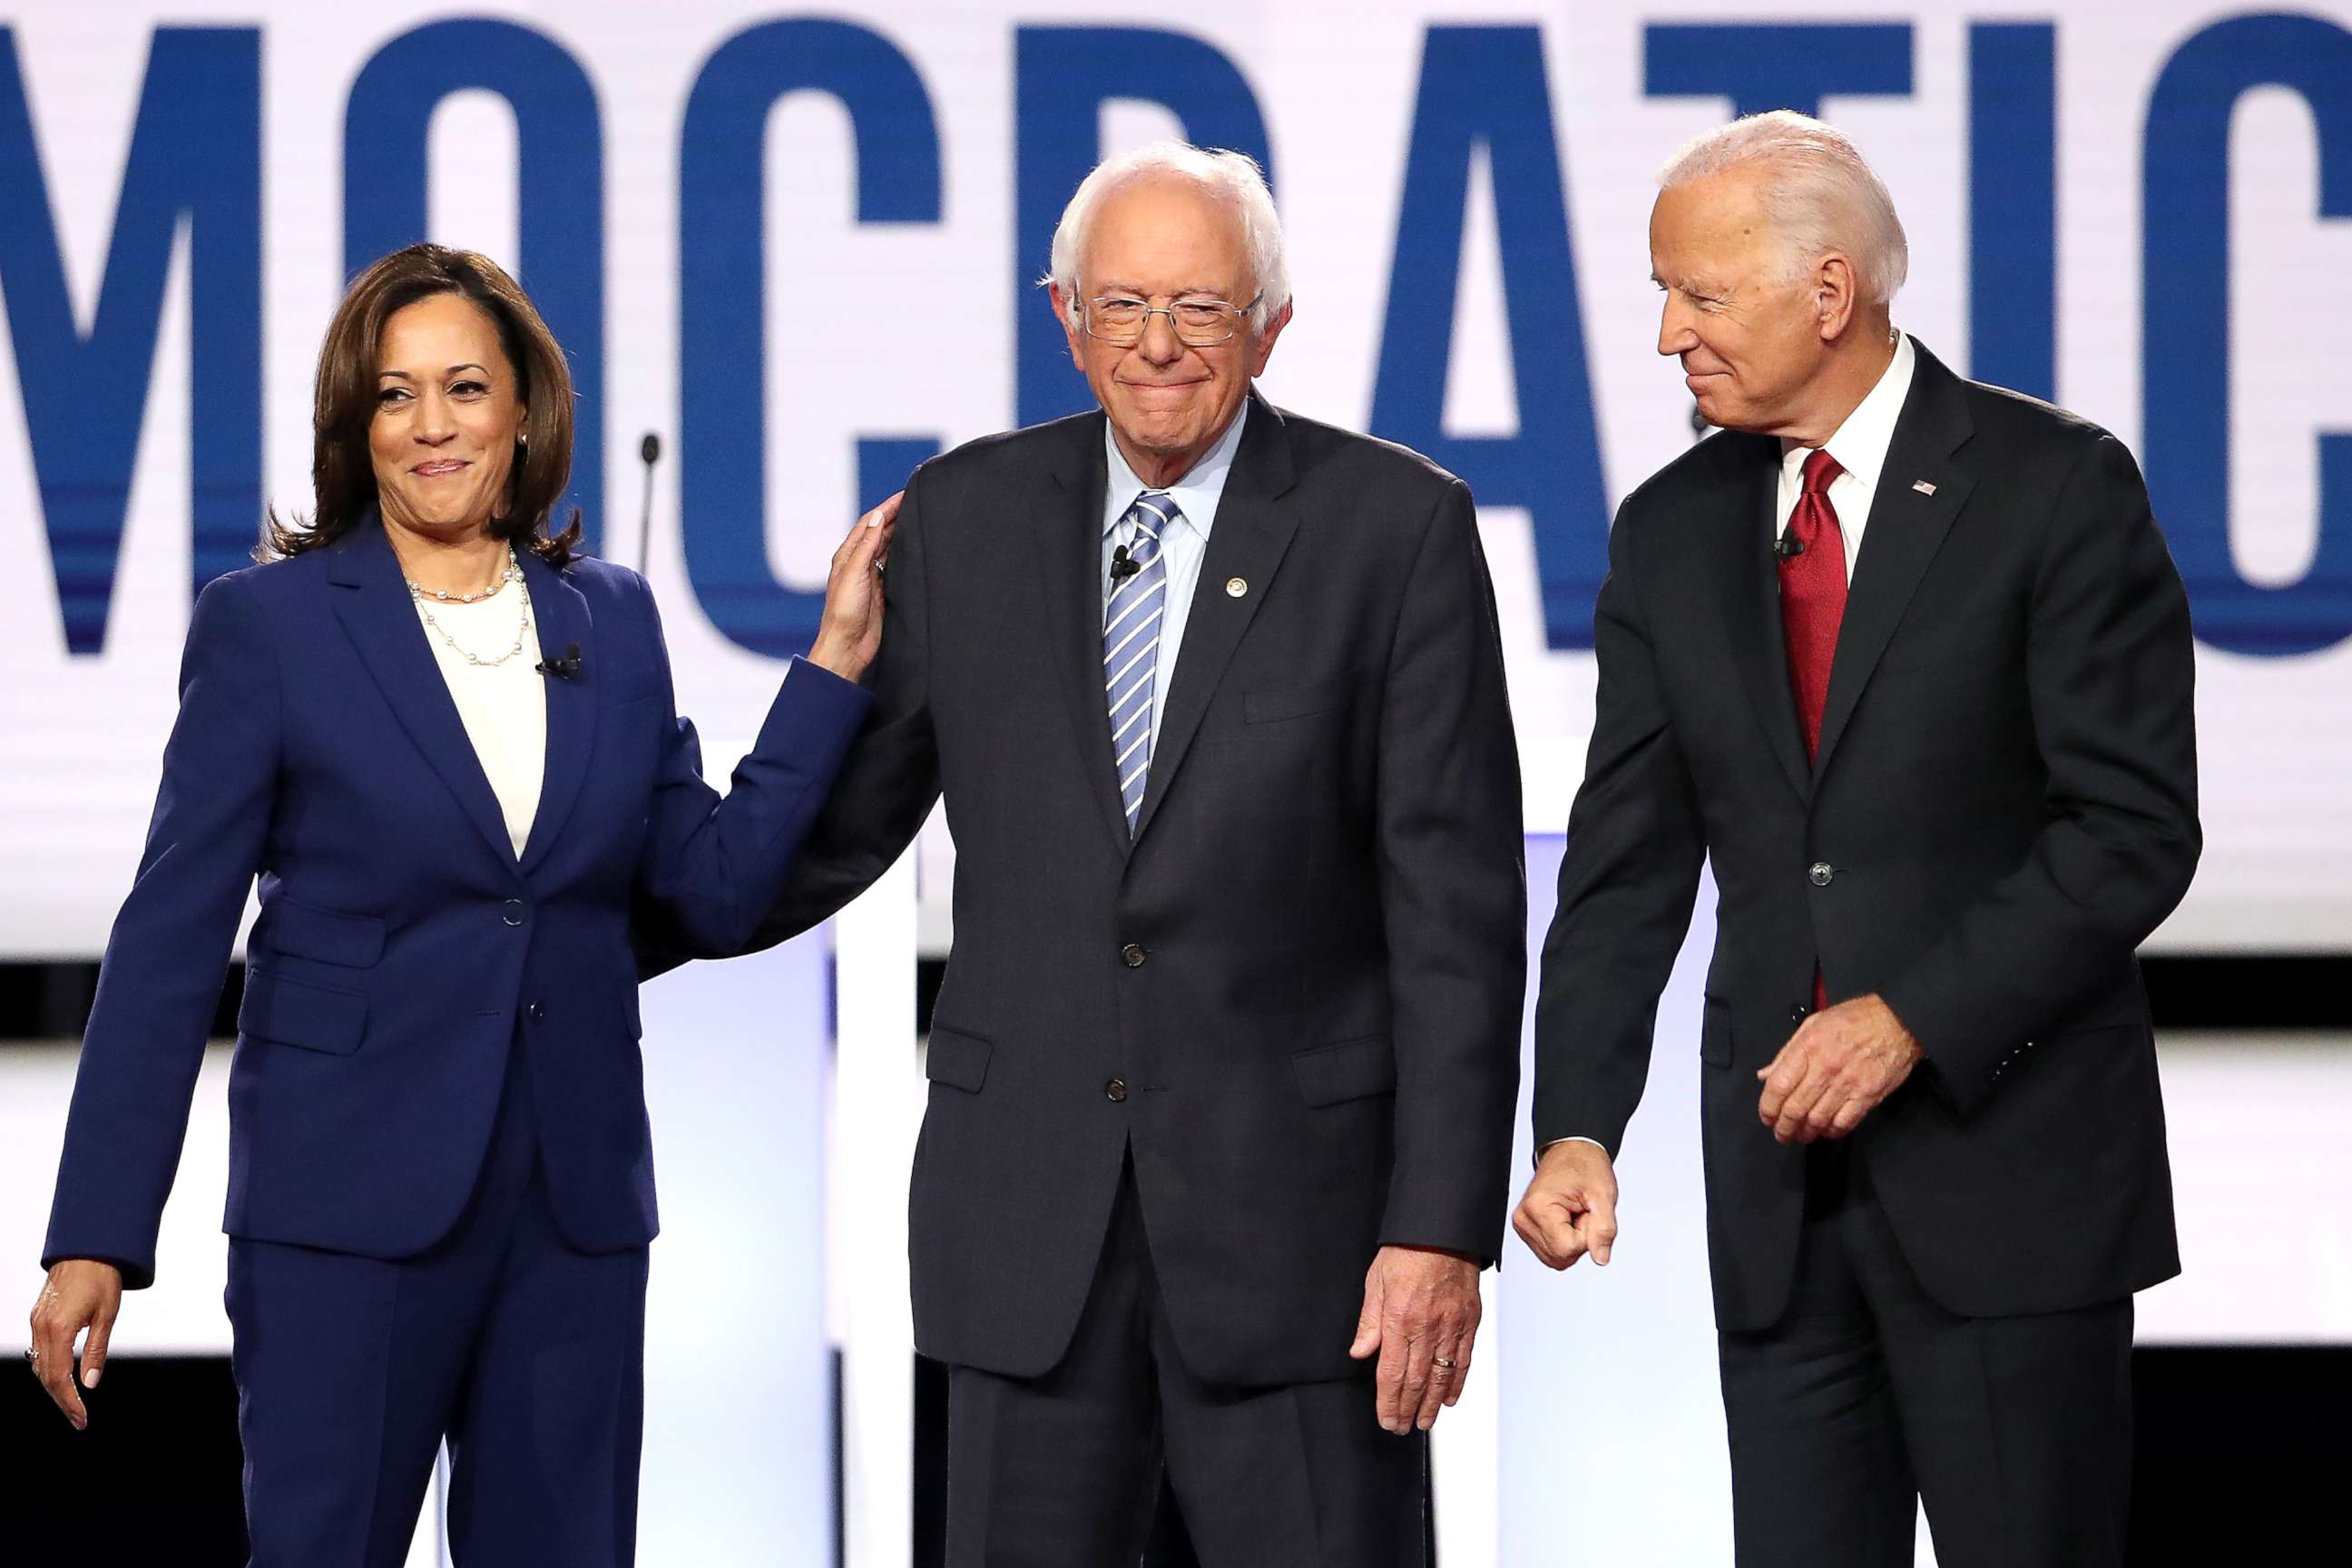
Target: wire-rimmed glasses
[(1120, 319)]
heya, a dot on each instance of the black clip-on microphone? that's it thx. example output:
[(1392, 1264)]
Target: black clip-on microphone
[(1122, 565), (563, 668), (1788, 547)]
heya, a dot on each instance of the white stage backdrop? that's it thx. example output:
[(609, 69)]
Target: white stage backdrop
[(800, 248)]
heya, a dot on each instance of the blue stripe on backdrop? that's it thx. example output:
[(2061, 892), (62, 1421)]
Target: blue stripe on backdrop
[(1483, 91), (560, 145), (194, 157)]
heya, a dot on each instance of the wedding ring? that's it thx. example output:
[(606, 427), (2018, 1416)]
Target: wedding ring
[(1443, 1360), (32, 1356)]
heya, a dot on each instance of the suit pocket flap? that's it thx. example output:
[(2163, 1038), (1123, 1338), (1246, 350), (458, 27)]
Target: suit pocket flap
[(2121, 1005), (1715, 1034), (1982, 636), (1298, 702), (352, 940), (296, 1013), (1351, 1070), (957, 1059)]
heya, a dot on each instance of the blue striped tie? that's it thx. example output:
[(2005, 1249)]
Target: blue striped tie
[(1131, 622)]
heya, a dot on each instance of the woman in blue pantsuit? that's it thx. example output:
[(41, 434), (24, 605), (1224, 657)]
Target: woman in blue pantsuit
[(447, 747)]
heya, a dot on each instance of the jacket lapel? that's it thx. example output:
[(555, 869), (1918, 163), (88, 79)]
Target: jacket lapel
[(564, 623), (1906, 528), (1066, 513), (1251, 535), (380, 617), (1752, 601)]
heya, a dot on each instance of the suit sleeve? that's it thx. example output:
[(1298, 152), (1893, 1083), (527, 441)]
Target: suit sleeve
[(2111, 677), (711, 865), (890, 780), (165, 961), (1452, 895), (1635, 843)]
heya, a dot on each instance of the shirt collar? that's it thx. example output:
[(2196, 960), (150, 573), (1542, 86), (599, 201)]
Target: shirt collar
[(1196, 494), (1861, 444)]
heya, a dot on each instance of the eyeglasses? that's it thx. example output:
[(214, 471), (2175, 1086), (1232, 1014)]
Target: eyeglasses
[(1118, 320)]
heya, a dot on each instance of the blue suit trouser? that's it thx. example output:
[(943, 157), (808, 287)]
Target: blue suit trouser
[(527, 1355)]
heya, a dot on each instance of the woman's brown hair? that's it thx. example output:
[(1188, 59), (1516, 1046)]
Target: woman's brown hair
[(342, 475)]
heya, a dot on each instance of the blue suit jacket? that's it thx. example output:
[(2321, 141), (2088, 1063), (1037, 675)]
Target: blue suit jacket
[(402, 946)]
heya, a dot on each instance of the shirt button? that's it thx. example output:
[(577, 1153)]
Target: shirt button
[(536, 1011), (1133, 955), (514, 911), (1116, 1091), (1821, 874)]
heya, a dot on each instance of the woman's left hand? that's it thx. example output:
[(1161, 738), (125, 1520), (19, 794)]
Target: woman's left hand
[(851, 632)]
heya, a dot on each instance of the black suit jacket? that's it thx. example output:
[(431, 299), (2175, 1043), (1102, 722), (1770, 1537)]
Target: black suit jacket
[(1295, 997), (2004, 804)]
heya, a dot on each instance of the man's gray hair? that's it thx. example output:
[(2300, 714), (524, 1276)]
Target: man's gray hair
[(1818, 189), (1232, 176)]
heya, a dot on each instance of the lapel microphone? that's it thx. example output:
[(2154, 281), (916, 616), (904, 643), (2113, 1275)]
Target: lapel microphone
[(562, 668), (1788, 547), (1122, 565)]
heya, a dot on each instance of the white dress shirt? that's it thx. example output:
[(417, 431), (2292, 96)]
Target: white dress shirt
[(1182, 546), (1860, 447), (504, 706)]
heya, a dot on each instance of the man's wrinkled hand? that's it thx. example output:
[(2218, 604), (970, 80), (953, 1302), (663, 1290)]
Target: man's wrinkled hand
[(1570, 1206), (1837, 1068), (1421, 1315)]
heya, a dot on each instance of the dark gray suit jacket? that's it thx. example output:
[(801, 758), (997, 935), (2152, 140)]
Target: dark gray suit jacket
[(2004, 804), (1294, 999)]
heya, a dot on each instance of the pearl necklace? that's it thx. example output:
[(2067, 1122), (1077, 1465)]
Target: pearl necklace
[(513, 574), (522, 630)]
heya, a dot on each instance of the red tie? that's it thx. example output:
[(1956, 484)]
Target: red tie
[(1812, 595), (1812, 604)]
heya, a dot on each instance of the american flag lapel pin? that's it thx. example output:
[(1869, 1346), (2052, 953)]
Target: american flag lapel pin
[(1922, 487)]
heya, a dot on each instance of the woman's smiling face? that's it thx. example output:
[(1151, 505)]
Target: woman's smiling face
[(449, 416)]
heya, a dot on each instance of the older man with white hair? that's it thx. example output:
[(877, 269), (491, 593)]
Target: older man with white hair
[(1223, 1063), (1905, 658)]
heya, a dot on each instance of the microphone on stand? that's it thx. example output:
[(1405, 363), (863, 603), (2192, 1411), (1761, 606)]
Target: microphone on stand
[(649, 453)]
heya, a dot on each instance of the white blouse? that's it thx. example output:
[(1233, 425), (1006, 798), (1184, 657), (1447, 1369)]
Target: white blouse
[(504, 706)]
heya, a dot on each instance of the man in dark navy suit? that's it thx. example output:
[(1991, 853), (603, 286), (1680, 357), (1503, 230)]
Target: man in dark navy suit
[(1223, 1063), (1905, 658)]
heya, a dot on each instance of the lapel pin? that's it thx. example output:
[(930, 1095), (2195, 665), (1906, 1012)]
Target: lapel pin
[(1922, 487), (1236, 587)]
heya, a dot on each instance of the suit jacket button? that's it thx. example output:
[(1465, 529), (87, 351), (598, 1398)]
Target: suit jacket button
[(1133, 955), (514, 911), (1821, 874), (1116, 1091), (538, 1012), (1799, 1012)]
